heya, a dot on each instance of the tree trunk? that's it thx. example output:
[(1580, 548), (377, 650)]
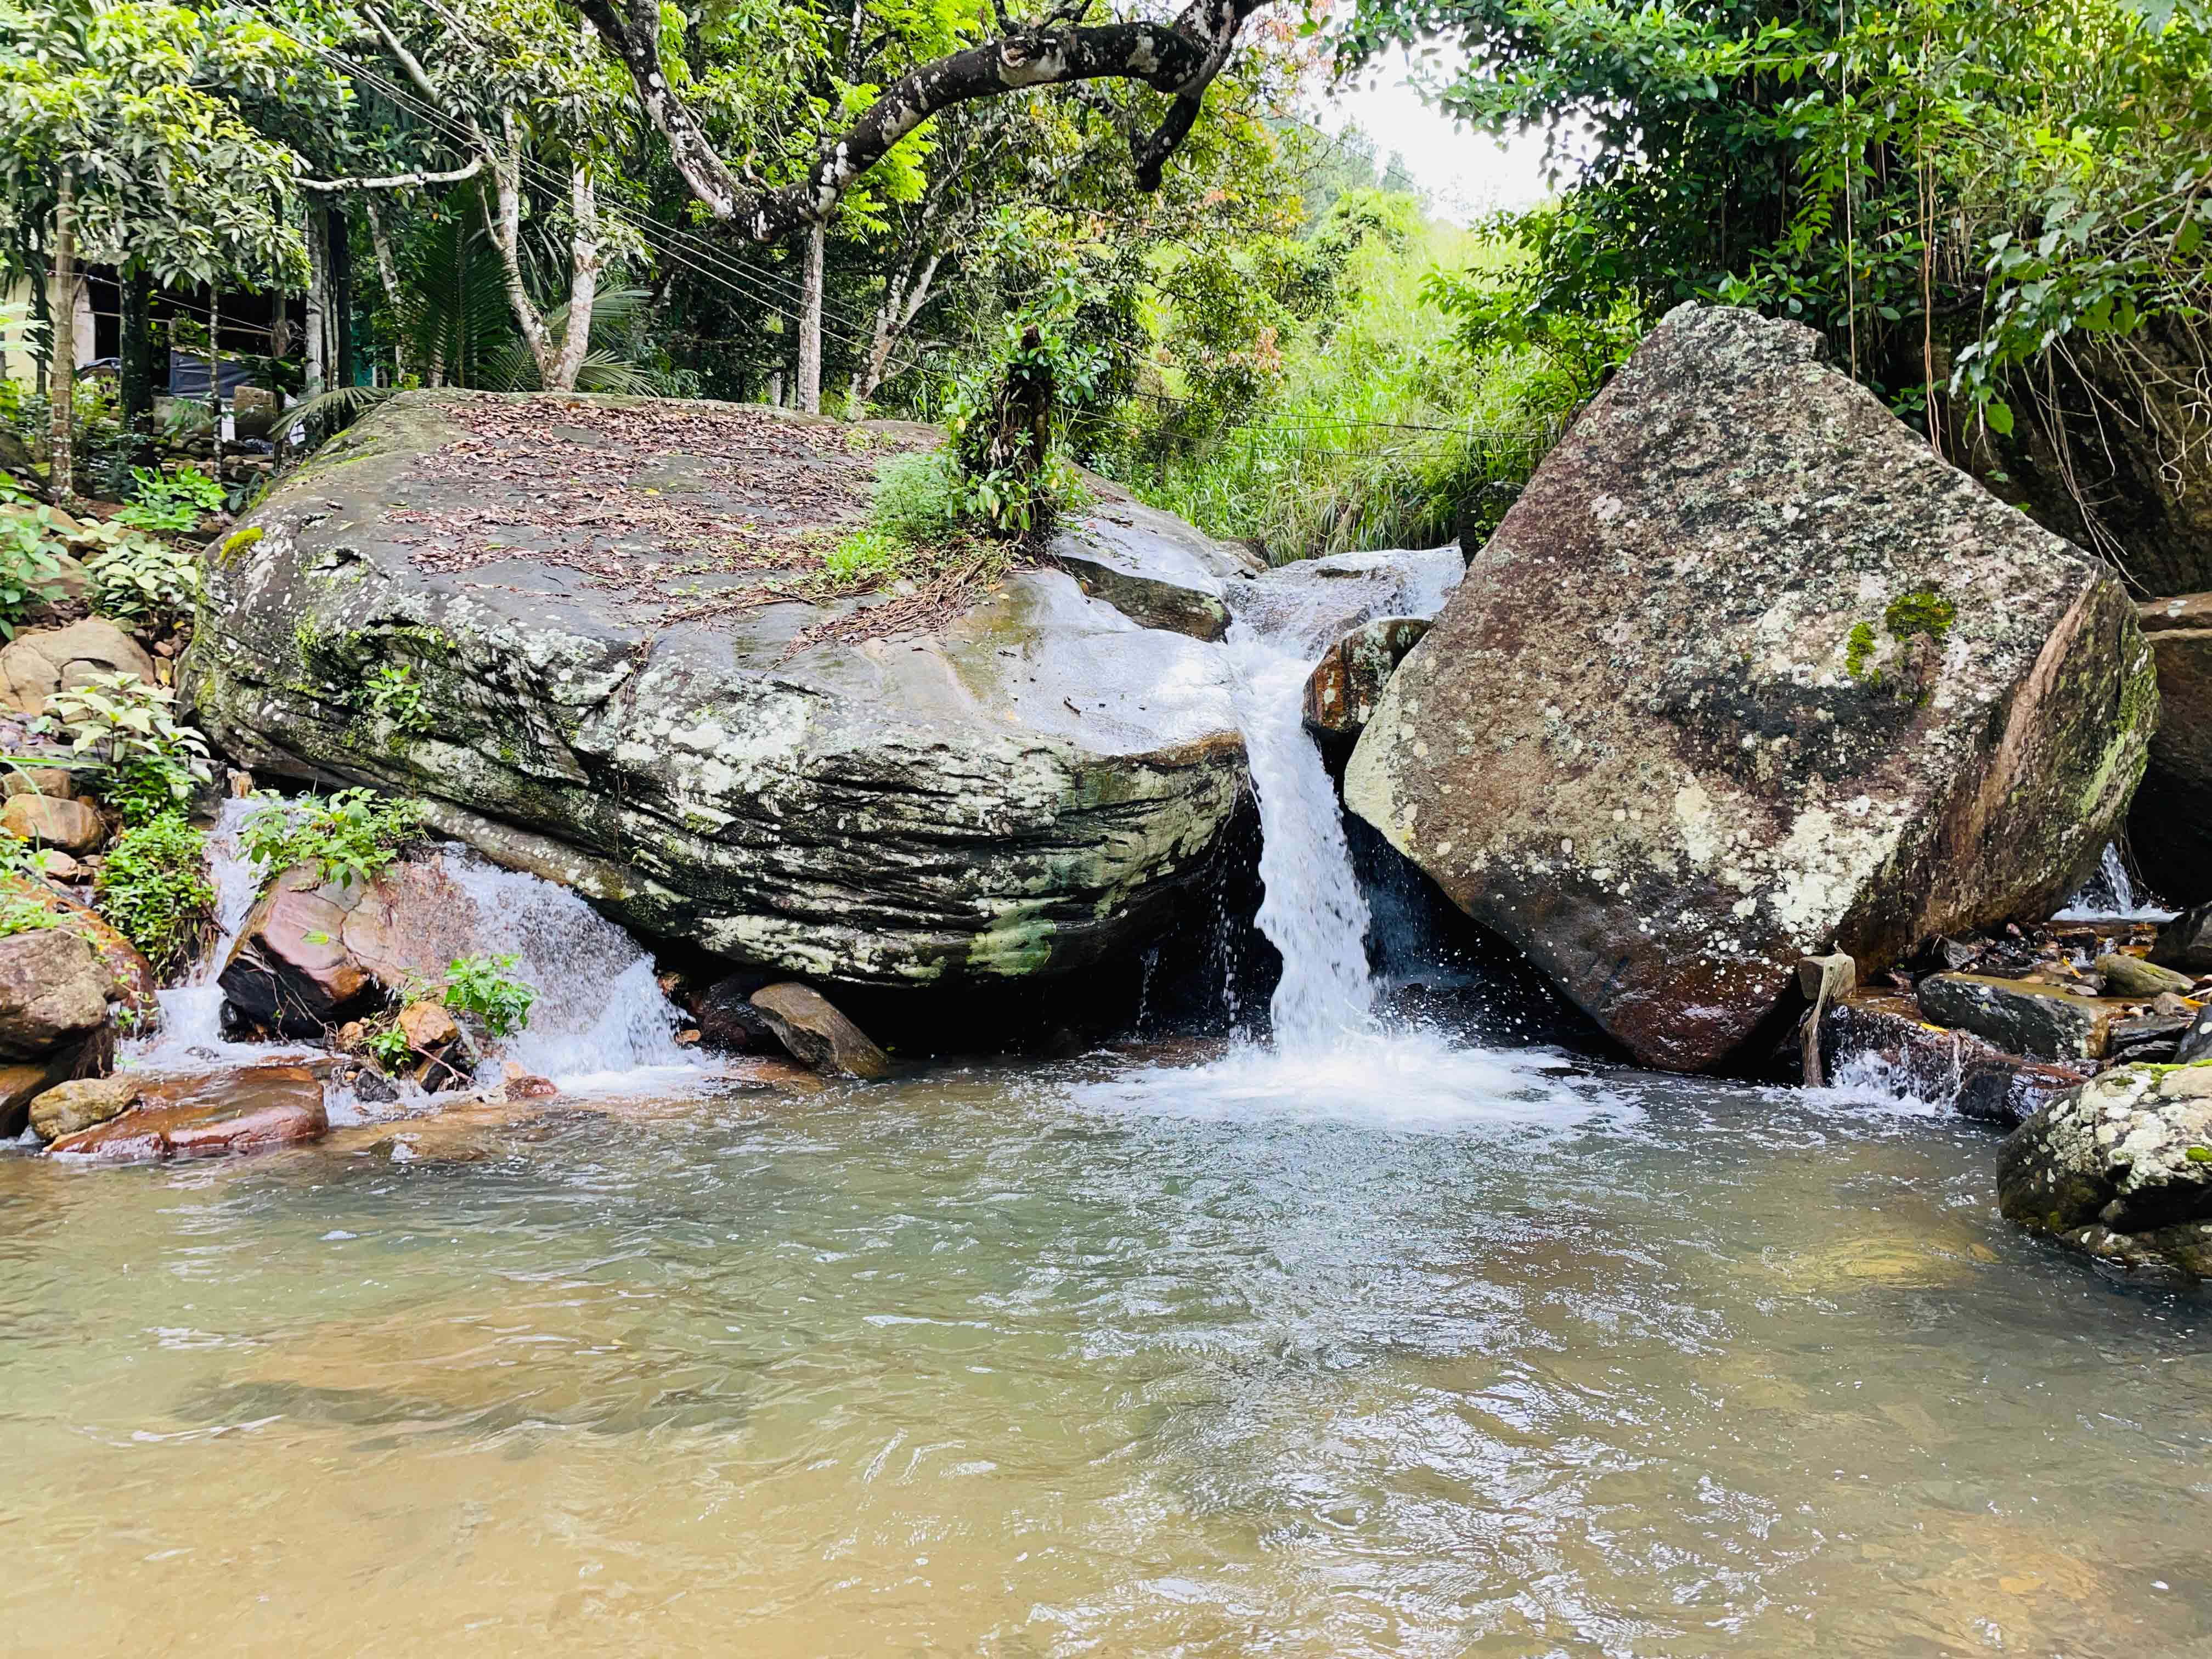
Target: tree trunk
[(387, 272), (136, 372), (215, 371), (584, 263), (810, 324), (314, 377), (503, 217), (344, 361), (902, 301), (61, 374)]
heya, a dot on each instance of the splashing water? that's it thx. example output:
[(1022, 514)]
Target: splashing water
[(2111, 895), (1313, 911), (599, 1022)]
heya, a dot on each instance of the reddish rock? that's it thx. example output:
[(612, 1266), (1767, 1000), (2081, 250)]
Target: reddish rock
[(314, 954), (428, 1027), (132, 989), (811, 1028), (209, 1116), (51, 993)]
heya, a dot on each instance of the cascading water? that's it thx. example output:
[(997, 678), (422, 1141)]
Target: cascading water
[(599, 1021), (1313, 911), (2111, 895), (1331, 1054)]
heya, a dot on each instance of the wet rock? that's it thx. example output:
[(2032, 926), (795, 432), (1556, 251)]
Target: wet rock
[(428, 1027), (130, 985), (2185, 942), (52, 993), (371, 1086), (2195, 1044), (2025, 1016), (729, 1023), (2130, 975), (2147, 1037), (1315, 601), (2121, 1167), (46, 821), (809, 1025), (1930, 1063), (520, 1085), (250, 1110), (33, 666), (23, 1081), (1749, 673), (69, 1108), (2170, 825), (1019, 789), (1151, 567), (314, 954), (1347, 682)]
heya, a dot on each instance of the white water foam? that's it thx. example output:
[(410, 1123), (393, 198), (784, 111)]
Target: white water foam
[(600, 1022), (1330, 1058), (2111, 895)]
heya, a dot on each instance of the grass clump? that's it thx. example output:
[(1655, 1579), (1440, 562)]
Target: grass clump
[(351, 837), (154, 889)]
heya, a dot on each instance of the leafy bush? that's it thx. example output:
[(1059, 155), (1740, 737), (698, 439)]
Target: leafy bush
[(154, 889), (148, 760), (350, 836), (388, 1047), (486, 988), (919, 499), (147, 582), (30, 566), (171, 500)]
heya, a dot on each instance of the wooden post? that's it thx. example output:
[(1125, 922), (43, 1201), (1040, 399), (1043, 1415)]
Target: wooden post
[(61, 368)]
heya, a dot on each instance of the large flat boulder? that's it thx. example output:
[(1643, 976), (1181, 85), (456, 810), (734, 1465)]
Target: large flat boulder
[(593, 633), (2170, 826), (1748, 673)]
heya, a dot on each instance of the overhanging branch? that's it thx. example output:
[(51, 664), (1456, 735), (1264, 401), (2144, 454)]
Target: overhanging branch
[(1180, 59)]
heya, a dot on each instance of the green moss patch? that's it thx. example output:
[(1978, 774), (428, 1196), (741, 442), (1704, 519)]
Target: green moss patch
[(1924, 612)]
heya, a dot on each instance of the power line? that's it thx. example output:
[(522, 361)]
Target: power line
[(737, 278)]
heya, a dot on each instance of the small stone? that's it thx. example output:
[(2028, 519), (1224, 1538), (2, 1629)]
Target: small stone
[(2186, 943), (2130, 975), (67, 1109), (428, 1027), (56, 781)]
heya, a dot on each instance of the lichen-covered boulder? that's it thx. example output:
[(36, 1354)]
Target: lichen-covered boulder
[(595, 634), (2120, 1167), (1749, 673), (1346, 684), (2170, 825)]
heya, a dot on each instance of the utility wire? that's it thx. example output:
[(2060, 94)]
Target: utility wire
[(722, 269)]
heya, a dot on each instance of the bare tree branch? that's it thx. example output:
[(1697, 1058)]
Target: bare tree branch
[(395, 180), (1180, 59)]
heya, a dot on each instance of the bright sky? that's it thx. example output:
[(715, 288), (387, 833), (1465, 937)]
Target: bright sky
[(1468, 173)]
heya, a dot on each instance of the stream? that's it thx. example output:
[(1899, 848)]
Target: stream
[(1347, 1338)]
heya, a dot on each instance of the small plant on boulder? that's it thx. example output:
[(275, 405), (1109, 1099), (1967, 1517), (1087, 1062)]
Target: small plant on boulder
[(350, 836), (486, 988)]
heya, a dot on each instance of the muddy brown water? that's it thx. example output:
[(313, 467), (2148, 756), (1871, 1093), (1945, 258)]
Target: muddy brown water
[(1105, 1359)]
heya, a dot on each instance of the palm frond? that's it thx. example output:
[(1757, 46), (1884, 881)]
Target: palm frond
[(349, 403)]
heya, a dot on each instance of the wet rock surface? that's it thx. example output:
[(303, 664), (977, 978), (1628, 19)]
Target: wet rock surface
[(69, 1108), (255, 1108), (2120, 1167), (817, 1034), (1347, 682), (1976, 1078), (2029, 1017), (1748, 673), (622, 680)]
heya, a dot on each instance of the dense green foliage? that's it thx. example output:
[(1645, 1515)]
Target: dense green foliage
[(154, 889), (486, 988), (349, 836), (146, 762), (1957, 192)]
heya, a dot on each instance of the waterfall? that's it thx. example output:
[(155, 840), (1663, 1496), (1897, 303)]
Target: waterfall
[(192, 1013), (1312, 910), (2111, 895)]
